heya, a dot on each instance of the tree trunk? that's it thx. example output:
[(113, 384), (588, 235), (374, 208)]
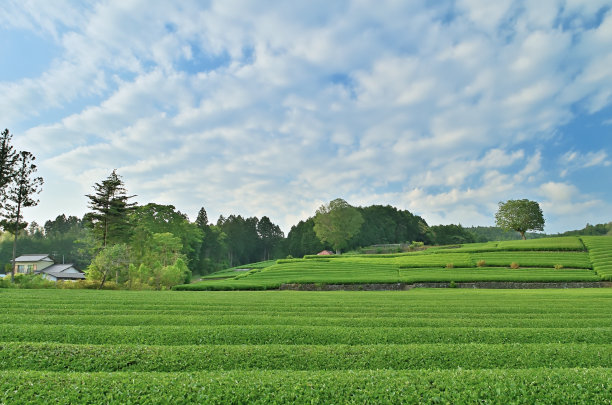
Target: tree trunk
[(523, 235), (14, 249), (103, 279), (16, 230)]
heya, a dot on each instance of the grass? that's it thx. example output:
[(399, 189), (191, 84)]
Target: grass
[(423, 345)]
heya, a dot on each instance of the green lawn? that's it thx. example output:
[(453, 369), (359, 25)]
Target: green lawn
[(432, 345)]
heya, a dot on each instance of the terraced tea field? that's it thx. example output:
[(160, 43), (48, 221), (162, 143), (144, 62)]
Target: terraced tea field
[(436, 346), (560, 259)]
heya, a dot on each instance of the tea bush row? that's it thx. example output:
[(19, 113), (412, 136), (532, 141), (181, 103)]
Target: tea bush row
[(579, 260), (293, 335), (600, 252), (443, 320), (523, 386), (274, 277), (111, 358)]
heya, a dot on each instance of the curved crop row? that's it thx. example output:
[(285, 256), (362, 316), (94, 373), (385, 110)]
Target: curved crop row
[(600, 252)]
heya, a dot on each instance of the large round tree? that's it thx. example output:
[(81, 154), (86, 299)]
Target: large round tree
[(520, 215), (337, 222)]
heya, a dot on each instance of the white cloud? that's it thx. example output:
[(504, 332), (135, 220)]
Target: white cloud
[(558, 192), (438, 110), (573, 160)]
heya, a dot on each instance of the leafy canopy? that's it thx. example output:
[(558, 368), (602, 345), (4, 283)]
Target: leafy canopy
[(520, 215), (337, 222)]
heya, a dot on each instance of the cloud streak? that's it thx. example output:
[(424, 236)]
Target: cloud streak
[(242, 107)]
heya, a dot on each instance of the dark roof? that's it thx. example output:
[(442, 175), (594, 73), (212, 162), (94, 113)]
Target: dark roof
[(58, 268), (33, 258), (66, 276), (59, 271)]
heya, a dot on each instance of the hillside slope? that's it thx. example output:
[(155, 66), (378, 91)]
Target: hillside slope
[(561, 259)]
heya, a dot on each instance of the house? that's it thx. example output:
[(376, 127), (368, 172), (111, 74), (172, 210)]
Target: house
[(28, 264), (42, 264), (63, 272)]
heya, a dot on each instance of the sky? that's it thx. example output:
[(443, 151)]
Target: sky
[(257, 108)]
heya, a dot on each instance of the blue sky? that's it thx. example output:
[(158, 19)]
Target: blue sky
[(274, 108)]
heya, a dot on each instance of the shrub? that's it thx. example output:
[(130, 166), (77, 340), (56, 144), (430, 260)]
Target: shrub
[(452, 284), (514, 265), (558, 266), (481, 263), (450, 265)]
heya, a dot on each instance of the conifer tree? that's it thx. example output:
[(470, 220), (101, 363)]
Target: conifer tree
[(110, 209), (20, 195), (8, 159)]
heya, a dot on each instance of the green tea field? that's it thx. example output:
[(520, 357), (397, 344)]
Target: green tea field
[(560, 259), (423, 345)]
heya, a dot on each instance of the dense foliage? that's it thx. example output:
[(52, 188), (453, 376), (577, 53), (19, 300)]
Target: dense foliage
[(494, 233), (110, 207), (592, 230), (381, 225), (520, 216), (451, 234), (336, 223), (456, 346)]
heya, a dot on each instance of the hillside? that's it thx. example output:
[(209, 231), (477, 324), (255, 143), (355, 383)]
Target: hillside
[(560, 259)]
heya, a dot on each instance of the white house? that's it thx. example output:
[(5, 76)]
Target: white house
[(28, 264), (42, 264)]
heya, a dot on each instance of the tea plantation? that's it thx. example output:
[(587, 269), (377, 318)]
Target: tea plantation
[(423, 345), (561, 259)]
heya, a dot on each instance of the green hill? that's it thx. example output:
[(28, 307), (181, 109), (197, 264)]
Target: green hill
[(559, 259)]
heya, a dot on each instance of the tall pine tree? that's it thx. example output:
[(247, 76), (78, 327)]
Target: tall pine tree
[(8, 160), (270, 234), (20, 195), (110, 208)]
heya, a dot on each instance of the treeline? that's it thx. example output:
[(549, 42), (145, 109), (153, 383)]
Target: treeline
[(493, 233), (381, 225), (156, 246), (592, 230)]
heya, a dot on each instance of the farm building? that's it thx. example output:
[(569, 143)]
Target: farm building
[(42, 264), (325, 253)]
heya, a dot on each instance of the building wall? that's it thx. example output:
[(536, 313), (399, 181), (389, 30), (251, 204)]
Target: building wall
[(31, 267), (48, 277)]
